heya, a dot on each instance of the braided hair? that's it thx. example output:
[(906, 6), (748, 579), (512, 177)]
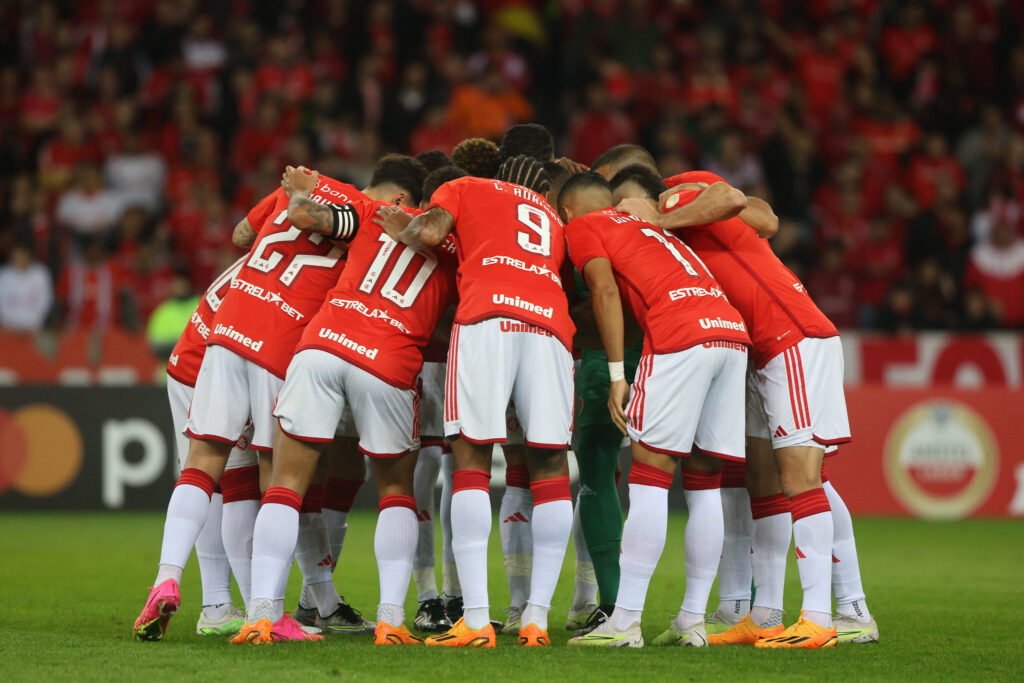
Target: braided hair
[(525, 171)]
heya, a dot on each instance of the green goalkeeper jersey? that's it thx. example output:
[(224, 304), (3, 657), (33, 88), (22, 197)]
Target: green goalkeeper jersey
[(592, 379)]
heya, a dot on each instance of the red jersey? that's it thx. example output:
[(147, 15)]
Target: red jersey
[(772, 300), (284, 280), (188, 353), (386, 304), (511, 246), (670, 292)]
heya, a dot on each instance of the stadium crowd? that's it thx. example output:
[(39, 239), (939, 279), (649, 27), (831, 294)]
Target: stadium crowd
[(888, 136)]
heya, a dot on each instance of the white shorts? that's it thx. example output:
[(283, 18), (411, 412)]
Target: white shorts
[(180, 397), (690, 397), (230, 393), (797, 398), (431, 387), (487, 368), (319, 388)]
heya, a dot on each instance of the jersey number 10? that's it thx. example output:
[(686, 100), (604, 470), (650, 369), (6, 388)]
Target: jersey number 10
[(389, 289)]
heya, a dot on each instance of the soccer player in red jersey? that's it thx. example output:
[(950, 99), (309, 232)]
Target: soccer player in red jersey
[(361, 351), (260, 319), (512, 339), (796, 408), (693, 338), (222, 546)]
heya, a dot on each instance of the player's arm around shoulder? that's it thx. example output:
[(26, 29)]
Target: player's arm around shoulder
[(426, 231), (760, 217)]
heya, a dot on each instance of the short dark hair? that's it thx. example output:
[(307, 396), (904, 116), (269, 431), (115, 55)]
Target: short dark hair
[(642, 176), (439, 177), (620, 154), (525, 171), (400, 170), (433, 159), (480, 157), (581, 181), (529, 139)]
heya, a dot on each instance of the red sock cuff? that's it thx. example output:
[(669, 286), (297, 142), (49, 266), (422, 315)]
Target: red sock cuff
[(766, 506), (339, 494), (283, 496), (196, 477), (464, 480), (516, 475), (809, 503), (698, 480), (313, 501), (239, 484), (396, 501), (824, 473), (549, 490), (734, 474), (647, 475)]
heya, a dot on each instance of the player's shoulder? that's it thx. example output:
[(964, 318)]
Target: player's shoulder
[(338, 192), (694, 177)]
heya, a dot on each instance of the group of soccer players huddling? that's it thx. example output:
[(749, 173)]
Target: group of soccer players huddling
[(436, 313)]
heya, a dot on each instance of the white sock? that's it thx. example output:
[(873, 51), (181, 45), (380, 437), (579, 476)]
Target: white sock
[(846, 583), (306, 597), (858, 610), (392, 615), (552, 524), (584, 588), (536, 615), (214, 570), (265, 608), (186, 515), (735, 571), (516, 513), (685, 620), (471, 525), (622, 619), (449, 573), (273, 545), (813, 538), (428, 464), (315, 562), (336, 526), (769, 542), (238, 521), (394, 544), (703, 544), (643, 540)]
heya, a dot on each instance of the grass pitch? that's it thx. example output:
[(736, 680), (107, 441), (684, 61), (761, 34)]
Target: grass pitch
[(949, 599)]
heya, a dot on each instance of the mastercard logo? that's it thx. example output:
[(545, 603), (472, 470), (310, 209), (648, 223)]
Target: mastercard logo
[(40, 450)]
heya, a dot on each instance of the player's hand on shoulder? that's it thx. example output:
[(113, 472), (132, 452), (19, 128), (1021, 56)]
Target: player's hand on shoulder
[(299, 179), (392, 220), (571, 166), (641, 208), (618, 395)]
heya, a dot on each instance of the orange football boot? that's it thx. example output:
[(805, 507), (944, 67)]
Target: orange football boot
[(744, 632), (803, 634), (461, 635), (533, 636), (386, 634)]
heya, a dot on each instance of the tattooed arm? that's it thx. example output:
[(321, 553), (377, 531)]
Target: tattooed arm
[(425, 231), (244, 234), (303, 212)]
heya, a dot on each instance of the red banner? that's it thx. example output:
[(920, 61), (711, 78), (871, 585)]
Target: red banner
[(936, 454)]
